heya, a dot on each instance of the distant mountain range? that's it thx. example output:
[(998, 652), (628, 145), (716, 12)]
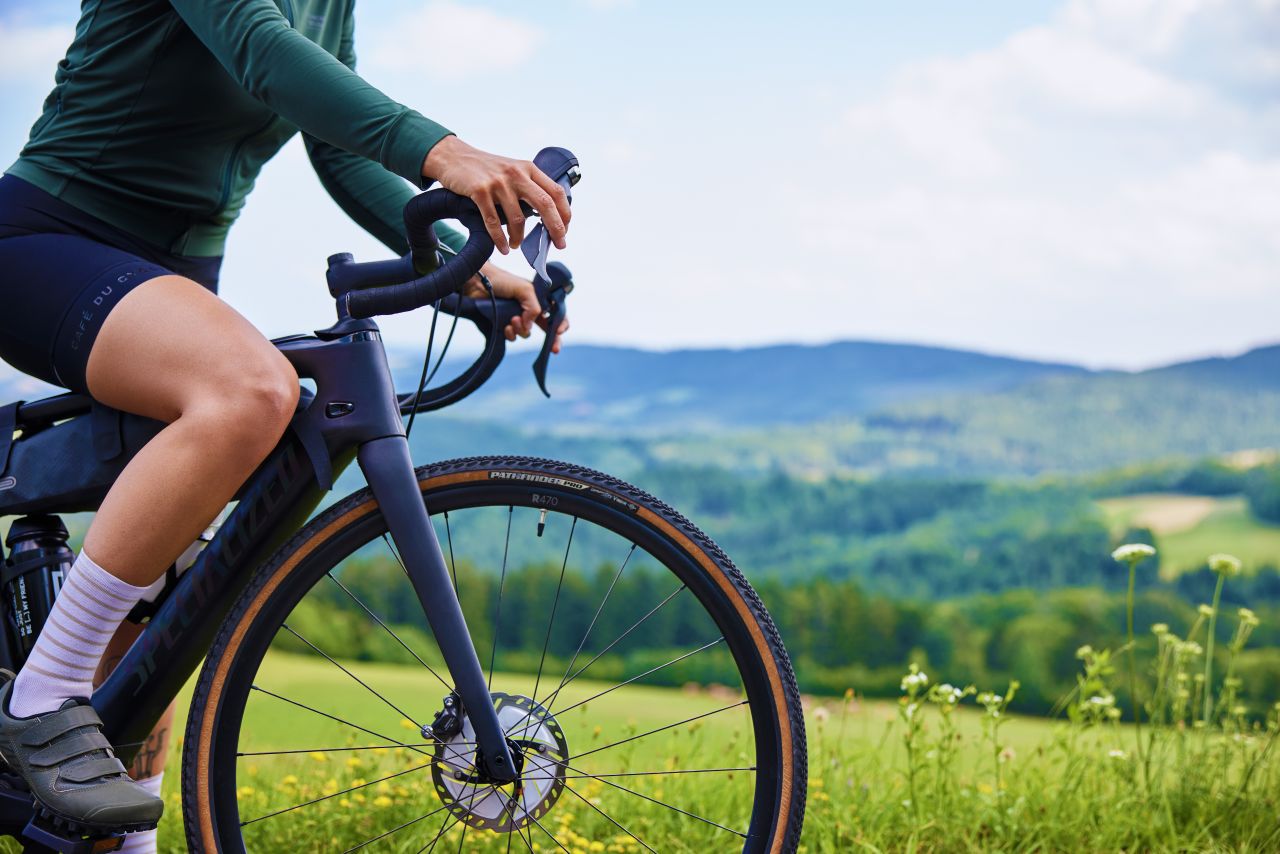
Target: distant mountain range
[(851, 407)]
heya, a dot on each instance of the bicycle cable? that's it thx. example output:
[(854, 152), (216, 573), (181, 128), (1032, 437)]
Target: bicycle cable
[(425, 378)]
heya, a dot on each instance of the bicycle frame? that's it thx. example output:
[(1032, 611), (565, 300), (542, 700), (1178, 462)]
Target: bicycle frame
[(354, 415)]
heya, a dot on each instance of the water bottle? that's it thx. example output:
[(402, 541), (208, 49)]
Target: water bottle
[(39, 560)]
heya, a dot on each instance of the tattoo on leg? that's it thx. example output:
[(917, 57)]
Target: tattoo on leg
[(151, 756)]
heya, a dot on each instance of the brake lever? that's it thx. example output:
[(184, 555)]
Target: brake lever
[(560, 166), (552, 295)]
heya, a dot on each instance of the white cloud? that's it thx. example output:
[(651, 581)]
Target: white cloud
[(1114, 164), (449, 41)]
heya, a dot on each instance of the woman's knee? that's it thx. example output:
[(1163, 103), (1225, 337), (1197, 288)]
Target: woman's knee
[(251, 401)]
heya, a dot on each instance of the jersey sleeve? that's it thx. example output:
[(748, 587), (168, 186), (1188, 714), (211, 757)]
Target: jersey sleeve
[(366, 191), (309, 87)]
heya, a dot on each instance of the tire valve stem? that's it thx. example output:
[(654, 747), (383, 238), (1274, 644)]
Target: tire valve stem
[(542, 522)]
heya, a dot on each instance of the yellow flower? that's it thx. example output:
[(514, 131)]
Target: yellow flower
[(382, 801), (318, 756)]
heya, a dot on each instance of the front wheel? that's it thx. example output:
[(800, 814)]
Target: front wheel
[(646, 694)]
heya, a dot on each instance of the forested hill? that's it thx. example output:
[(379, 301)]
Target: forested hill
[(640, 391), (853, 407)]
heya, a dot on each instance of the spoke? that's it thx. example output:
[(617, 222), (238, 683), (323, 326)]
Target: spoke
[(657, 773), (336, 794), (564, 679), (551, 698), (555, 604), (463, 837), (662, 729), (444, 826), (339, 720), (338, 749), (651, 800), (502, 580), (395, 554), (378, 620), (641, 676), (410, 822), (453, 570), (608, 817), (401, 712), (547, 832)]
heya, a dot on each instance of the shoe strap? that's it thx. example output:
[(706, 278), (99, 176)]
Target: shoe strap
[(69, 747), (59, 723), (92, 769)]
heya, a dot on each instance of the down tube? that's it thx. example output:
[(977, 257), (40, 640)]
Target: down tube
[(276, 501)]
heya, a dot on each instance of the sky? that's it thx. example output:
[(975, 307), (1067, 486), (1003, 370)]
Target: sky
[(1093, 181)]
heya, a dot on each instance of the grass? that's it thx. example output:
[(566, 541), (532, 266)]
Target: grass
[(982, 779), (1189, 528)]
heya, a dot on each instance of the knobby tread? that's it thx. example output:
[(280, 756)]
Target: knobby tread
[(190, 802)]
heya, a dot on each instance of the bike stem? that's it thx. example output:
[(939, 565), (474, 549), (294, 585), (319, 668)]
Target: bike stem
[(388, 468)]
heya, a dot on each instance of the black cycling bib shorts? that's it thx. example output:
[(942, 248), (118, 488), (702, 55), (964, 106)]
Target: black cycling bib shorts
[(62, 271)]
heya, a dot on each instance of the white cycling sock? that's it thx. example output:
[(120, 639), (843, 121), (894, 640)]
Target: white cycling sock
[(144, 841), (87, 612)]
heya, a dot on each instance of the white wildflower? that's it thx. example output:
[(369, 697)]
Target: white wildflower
[(1132, 553)]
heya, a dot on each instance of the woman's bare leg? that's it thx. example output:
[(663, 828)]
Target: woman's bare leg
[(154, 752), (173, 351)]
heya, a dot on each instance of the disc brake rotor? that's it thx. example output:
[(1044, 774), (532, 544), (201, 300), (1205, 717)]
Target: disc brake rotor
[(533, 734)]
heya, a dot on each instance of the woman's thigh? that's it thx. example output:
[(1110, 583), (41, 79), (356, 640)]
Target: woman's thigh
[(56, 291), (170, 345)]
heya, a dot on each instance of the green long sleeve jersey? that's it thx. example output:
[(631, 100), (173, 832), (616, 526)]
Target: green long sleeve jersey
[(164, 111)]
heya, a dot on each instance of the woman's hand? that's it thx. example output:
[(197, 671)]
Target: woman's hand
[(494, 182), (510, 286)]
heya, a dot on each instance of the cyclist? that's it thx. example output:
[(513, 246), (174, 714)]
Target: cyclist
[(112, 224)]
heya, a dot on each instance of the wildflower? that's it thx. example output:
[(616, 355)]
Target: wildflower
[(1225, 565), (1008, 754), (1160, 629), (318, 756), (1248, 618), (1133, 553), (1191, 648), (917, 678), (1118, 754), (382, 801), (820, 714), (1204, 610), (1084, 652), (1102, 701)]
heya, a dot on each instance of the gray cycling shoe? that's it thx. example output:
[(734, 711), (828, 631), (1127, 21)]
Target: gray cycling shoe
[(71, 770)]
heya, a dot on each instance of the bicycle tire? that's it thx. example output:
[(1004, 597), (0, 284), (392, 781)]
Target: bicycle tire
[(211, 778)]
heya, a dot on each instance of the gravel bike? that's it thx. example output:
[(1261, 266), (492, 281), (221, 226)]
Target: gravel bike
[(535, 608)]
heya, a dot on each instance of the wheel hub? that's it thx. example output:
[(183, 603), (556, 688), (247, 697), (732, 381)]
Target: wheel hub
[(540, 751)]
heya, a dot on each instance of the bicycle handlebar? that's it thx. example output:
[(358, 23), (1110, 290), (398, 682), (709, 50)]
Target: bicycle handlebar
[(420, 215), (363, 297), (389, 287)]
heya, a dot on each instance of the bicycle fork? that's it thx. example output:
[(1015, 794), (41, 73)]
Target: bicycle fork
[(388, 469)]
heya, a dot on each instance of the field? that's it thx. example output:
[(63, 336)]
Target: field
[(925, 774), (1189, 528)]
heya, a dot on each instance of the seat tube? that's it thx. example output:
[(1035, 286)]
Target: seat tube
[(388, 468)]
